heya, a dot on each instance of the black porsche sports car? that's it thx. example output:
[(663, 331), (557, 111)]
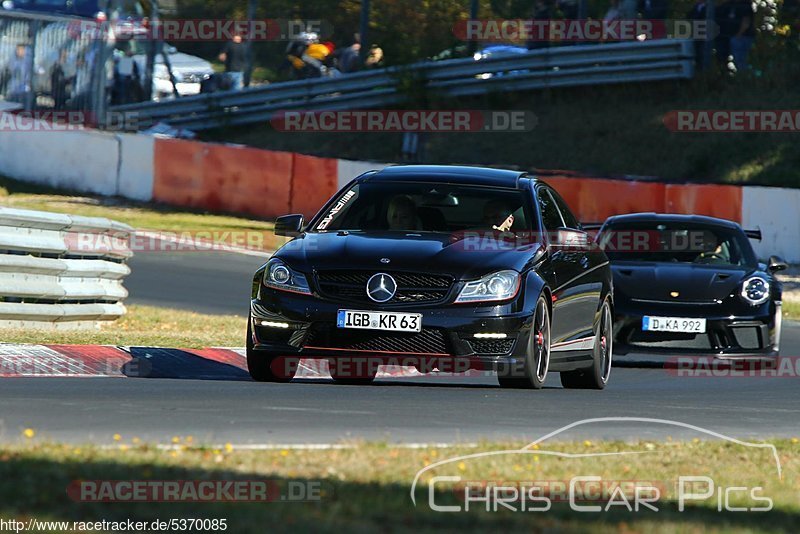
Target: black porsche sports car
[(687, 284), (436, 266)]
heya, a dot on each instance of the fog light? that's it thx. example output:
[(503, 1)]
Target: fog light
[(489, 335), (272, 324)]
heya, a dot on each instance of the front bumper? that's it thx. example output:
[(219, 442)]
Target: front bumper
[(307, 329), (730, 336)]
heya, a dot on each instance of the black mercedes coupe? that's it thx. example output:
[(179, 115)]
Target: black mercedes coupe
[(436, 267), (688, 284)]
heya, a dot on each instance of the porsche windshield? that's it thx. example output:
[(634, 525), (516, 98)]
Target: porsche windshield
[(677, 243), (426, 207)]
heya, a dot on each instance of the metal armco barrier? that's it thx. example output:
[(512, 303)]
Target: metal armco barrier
[(551, 67), (60, 270)]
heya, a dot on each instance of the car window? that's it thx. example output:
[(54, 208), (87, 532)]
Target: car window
[(570, 221), (427, 207), (551, 218), (677, 243)]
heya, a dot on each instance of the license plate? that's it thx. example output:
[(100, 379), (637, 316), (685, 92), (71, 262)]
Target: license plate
[(673, 324), (372, 320)]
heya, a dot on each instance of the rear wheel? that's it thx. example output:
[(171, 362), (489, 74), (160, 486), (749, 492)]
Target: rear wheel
[(533, 371), (266, 367), (596, 376)]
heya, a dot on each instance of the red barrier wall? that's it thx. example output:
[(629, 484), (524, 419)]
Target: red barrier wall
[(314, 181), (222, 178), (723, 201)]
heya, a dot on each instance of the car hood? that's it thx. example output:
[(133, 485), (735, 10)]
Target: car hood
[(657, 281), (464, 258)]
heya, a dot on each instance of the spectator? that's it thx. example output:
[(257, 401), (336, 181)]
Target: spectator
[(19, 75), (654, 9), (315, 57), (727, 19), (126, 78), (613, 12), (234, 56), (742, 40), (59, 82), (628, 9), (698, 13), (374, 58), (349, 59)]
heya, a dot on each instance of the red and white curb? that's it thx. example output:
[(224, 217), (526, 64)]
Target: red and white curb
[(22, 360)]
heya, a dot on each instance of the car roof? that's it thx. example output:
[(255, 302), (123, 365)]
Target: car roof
[(449, 174), (671, 218)]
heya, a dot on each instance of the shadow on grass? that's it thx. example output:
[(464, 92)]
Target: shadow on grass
[(36, 486)]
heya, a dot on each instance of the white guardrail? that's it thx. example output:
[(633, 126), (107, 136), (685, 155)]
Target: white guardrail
[(61, 271)]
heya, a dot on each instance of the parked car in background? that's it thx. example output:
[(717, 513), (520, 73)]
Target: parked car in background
[(189, 71), (692, 284)]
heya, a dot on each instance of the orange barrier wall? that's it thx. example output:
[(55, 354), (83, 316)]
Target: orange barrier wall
[(723, 201), (222, 178), (595, 199), (314, 181)]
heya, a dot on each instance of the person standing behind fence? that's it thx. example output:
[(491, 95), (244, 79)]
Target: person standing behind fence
[(742, 40), (234, 56), (19, 75), (349, 58), (59, 82), (126, 76)]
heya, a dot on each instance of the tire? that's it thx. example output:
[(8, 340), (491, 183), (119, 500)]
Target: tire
[(259, 363), (533, 371), (360, 380), (596, 376)]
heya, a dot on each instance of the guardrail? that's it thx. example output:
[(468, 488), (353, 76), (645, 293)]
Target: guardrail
[(60, 270), (551, 67)]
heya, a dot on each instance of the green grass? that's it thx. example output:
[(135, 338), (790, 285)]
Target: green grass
[(605, 130), (16, 194), (791, 309), (148, 326), (366, 487)]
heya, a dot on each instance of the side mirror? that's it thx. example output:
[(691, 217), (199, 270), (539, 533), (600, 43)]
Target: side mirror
[(776, 264), (289, 225), (571, 238)]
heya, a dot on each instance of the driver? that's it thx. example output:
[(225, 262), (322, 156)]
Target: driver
[(402, 214), (498, 215)]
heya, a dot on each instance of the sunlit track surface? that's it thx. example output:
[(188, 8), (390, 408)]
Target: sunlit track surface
[(397, 409)]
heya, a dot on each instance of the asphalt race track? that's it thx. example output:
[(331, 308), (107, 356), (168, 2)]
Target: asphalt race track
[(233, 409)]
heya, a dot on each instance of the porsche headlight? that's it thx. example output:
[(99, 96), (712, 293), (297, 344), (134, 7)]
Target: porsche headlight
[(501, 285), (755, 291), (278, 275)]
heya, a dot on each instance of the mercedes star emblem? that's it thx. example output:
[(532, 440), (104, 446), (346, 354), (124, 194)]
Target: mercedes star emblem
[(381, 287)]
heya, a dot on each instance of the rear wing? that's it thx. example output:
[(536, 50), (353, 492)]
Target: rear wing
[(753, 234), (591, 225)]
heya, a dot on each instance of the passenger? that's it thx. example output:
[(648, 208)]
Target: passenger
[(498, 215), (402, 214)]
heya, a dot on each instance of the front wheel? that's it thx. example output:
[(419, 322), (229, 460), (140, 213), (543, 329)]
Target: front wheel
[(266, 367), (533, 371), (596, 376)]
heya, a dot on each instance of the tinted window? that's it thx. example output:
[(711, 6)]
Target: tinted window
[(677, 243), (426, 207), (570, 221), (550, 215)]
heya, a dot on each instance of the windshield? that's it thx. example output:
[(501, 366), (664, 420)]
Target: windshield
[(677, 243), (426, 207)]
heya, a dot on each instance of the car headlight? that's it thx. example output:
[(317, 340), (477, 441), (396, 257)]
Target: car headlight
[(278, 275), (755, 290), (501, 285)]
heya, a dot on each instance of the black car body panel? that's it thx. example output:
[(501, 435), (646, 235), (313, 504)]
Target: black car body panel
[(431, 269), (712, 291)]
